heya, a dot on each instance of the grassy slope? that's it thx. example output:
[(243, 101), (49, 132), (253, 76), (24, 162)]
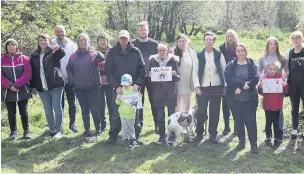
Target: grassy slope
[(74, 154)]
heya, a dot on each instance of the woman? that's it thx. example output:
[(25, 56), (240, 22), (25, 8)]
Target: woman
[(16, 73), (105, 91), (164, 92), (272, 53), (228, 50), (83, 74), (48, 81), (185, 85), (242, 76)]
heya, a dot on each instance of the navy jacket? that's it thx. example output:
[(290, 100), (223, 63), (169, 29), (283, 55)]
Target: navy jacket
[(234, 82)]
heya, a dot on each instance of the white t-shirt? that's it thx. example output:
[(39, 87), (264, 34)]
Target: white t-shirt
[(42, 75)]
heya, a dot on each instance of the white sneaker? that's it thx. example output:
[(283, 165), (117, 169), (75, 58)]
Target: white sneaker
[(58, 135)]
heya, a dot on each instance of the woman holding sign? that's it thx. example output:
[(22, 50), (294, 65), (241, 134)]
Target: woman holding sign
[(164, 75), (242, 76), (185, 85)]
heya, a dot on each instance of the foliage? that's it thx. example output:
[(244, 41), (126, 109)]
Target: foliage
[(24, 20)]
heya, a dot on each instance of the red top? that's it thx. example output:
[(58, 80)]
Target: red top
[(273, 101)]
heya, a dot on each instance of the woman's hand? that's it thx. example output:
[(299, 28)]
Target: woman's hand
[(246, 86), (55, 47), (237, 91), (198, 91)]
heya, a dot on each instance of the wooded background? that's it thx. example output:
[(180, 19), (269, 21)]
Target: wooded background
[(25, 20)]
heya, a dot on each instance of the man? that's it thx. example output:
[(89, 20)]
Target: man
[(69, 48), (147, 47), (122, 59), (209, 84)]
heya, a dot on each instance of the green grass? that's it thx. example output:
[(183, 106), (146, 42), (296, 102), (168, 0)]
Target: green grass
[(74, 154)]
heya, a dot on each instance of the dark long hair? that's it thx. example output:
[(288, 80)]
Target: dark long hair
[(177, 51)]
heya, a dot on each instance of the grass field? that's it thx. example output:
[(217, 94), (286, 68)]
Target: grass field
[(75, 154)]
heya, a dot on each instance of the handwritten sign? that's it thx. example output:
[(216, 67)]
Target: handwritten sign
[(272, 86), (161, 74), (134, 100)]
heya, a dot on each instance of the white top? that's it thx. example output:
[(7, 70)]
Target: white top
[(42, 75), (210, 75), (69, 49), (185, 86)]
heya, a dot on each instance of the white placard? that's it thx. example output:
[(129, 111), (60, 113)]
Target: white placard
[(134, 100), (161, 74), (272, 86)]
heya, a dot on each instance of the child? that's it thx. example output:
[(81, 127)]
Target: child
[(128, 103), (272, 104)]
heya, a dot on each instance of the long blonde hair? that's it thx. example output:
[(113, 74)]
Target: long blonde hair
[(280, 56), (236, 39)]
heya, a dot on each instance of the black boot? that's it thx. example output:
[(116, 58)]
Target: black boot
[(111, 140), (127, 143), (198, 138), (240, 146), (226, 131), (254, 149), (213, 139)]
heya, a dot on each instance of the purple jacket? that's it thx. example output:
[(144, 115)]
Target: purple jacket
[(15, 71), (82, 69)]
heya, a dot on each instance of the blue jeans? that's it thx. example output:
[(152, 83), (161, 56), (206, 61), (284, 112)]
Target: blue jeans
[(53, 99)]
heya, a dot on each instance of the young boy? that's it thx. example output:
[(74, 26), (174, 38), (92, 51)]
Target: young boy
[(272, 104), (128, 103)]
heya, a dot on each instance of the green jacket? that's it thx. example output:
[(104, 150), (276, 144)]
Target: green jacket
[(126, 111)]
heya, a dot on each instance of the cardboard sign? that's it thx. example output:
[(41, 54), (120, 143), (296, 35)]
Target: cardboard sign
[(133, 100), (161, 74), (272, 86)]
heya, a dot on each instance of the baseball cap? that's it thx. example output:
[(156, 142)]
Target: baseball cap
[(123, 33), (126, 79)]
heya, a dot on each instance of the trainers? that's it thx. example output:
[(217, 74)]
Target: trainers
[(277, 143), (27, 135), (50, 134), (87, 134), (226, 131), (161, 140), (127, 143), (171, 138), (268, 142), (240, 146), (73, 128), (213, 139), (198, 138), (58, 135), (111, 140), (254, 149), (139, 141), (294, 134), (12, 136)]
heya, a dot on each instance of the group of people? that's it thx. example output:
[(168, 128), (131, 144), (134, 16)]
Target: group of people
[(103, 76)]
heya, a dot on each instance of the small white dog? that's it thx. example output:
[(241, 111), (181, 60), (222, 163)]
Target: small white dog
[(180, 120)]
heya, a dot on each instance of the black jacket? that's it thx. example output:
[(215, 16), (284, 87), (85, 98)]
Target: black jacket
[(124, 62), (165, 93), (51, 67)]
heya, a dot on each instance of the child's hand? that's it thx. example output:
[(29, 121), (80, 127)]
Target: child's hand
[(284, 83), (139, 94), (246, 86), (118, 97), (261, 84), (174, 73)]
